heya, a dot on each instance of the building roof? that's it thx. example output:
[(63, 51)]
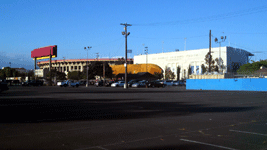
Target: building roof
[(82, 60)]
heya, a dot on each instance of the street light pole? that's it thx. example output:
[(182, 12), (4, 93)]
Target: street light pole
[(88, 48), (223, 38), (125, 65)]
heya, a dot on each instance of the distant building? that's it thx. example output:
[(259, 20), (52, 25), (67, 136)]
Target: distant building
[(67, 65), (136, 68), (39, 73), (231, 57)]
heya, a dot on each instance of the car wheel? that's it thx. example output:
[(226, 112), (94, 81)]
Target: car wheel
[(153, 86)]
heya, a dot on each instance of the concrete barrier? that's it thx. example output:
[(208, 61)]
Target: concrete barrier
[(247, 84)]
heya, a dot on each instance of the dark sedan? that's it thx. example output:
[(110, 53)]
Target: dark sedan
[(108, 84), (156, 84), (130, 83), (32, 83), (99, 83)]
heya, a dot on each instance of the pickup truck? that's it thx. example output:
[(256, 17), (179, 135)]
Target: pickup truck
[(68, 83)]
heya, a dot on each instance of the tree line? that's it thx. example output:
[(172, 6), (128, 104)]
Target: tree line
[(11, 72)]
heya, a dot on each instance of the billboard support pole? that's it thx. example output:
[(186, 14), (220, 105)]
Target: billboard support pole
[(34, 68), (34, 63), (50, 70)]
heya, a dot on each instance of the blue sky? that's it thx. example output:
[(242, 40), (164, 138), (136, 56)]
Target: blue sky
[(158, 24)]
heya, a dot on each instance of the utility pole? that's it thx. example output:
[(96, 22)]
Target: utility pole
[(50, 69), (88, 48), (104, 70), (146, 51), (210, 51), (125, 65)]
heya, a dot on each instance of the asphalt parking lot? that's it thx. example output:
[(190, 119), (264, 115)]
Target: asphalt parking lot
[(104, 118)]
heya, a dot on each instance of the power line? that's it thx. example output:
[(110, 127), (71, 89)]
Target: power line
[(248, 33), (108, 42), (210, 18), (171, 38)]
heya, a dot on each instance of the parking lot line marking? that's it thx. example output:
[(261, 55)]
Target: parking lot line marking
[(207, 144), (248, 132), (102, 148)]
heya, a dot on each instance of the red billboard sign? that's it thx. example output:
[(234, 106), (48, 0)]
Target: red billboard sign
[(44, 52)]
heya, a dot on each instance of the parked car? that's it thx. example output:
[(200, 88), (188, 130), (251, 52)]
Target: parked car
[(3, 85), (82, 82), (68, 83), (73, 83), (175, 83), (156, 83), (33, 83), (118, 84), (182, 83), (140, 84), (62, 83), (168, 82), (99, 83), (130, 83), (109, 83), (160, 81)]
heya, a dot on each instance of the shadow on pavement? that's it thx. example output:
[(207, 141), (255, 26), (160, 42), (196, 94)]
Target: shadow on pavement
[(177, 147), (52, 110)]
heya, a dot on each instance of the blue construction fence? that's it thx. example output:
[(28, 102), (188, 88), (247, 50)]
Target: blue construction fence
[(237, 84)]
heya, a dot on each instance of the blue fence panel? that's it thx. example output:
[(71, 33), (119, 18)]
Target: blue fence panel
[(249, 84)]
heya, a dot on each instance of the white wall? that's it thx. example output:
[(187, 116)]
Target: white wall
[(190, 57)]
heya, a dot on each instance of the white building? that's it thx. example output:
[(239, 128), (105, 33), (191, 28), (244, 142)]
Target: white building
[(195, 58), (39, 73)]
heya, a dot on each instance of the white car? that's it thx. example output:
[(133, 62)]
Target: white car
[(118, 84)]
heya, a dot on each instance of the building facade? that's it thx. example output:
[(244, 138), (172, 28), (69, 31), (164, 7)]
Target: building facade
[(193, 59), (67, 65)]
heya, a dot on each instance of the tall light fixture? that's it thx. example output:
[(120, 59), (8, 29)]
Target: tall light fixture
[(223, 38), (88, 48)]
